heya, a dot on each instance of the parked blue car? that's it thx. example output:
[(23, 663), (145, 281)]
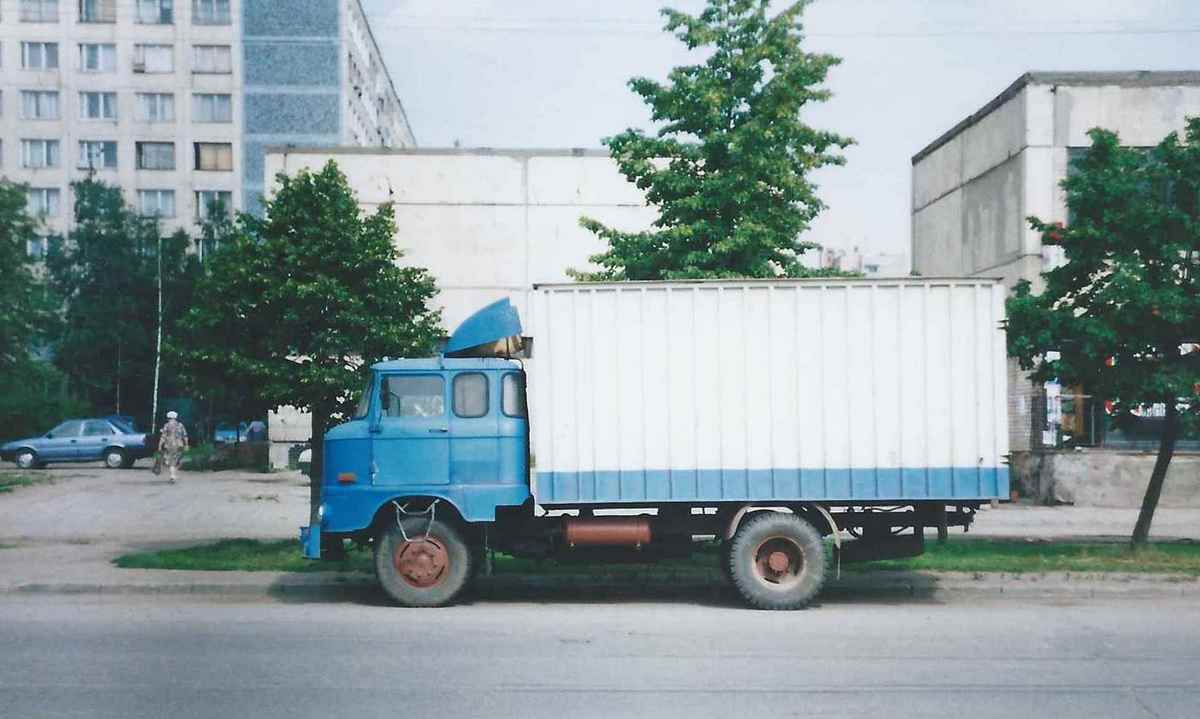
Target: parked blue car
[(80, 440)]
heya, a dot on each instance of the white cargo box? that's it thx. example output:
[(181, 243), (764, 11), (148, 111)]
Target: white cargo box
[(835, 390)]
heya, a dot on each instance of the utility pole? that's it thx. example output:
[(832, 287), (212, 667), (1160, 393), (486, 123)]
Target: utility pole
[(157, 341)]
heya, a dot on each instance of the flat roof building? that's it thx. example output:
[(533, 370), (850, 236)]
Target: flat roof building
[(974, 187)]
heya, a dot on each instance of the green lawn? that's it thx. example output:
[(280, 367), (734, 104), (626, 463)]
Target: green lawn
[(9, 482), (962, 555), (983, 555)]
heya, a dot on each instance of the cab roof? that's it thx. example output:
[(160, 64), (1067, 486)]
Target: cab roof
[(441, 363)]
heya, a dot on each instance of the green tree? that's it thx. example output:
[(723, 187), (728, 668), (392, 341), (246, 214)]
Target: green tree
[(300, 303), (35, 394), (728, 170), (107, 275), (1122, 308), (23, 310)]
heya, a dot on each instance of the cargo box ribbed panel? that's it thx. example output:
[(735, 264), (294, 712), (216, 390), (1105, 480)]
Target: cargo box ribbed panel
[(831, 390)]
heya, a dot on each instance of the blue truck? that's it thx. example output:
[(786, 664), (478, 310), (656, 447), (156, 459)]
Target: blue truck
[(794, 423)]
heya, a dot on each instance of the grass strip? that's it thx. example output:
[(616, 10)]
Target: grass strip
[(1016, 556), (10, 482), (962, 555)]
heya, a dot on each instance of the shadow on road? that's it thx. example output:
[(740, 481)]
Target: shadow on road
[(900, 588)]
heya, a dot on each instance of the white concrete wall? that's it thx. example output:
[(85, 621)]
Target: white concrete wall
[(486, 223)]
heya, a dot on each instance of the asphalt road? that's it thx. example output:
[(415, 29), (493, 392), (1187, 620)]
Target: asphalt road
[(127, 658)]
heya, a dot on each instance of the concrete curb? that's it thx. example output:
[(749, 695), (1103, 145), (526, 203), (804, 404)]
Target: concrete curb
[(943, 586)]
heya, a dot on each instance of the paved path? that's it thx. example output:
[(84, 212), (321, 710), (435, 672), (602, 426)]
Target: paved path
[(64, 534), (93, 504), (131, 658)]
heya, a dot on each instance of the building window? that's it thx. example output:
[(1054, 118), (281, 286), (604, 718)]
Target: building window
[(156, 156), (210, 12), (39, 153), (39, 104), (97, 155), (213, 156), (212, 108), (97, 10), (156, 203), (208, 201), (215, 59), (470, 395), (39, 10), (42, 201), (155, 12), (42, 245), (153, 58), (155, 107), (97, 57), (98, 106), (39, 55)]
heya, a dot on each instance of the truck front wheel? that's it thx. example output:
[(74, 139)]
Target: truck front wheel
[(777, 561), (422, 563)]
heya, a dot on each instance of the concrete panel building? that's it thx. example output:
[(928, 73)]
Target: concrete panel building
[(973, 187), (174, 100), (486, 223)]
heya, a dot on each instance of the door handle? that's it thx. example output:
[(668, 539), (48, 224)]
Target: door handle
[(438, 430)]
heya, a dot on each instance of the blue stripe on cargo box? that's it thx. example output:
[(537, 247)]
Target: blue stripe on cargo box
[(723, 485)]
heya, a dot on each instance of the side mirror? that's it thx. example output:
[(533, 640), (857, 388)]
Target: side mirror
[(49, 435)]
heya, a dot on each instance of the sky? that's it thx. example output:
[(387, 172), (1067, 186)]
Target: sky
[(553, 73)]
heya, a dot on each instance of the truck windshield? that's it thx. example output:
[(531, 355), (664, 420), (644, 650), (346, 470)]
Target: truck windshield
[(364, 401)]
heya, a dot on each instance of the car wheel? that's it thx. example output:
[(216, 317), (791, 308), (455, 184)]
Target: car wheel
[(27, 459), (114, 458)]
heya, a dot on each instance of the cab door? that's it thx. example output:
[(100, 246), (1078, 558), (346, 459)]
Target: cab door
[(412, 443), (473, 452)]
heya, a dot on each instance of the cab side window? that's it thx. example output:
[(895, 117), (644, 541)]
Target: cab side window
[(512, 390), (416, 396), (471, 394)]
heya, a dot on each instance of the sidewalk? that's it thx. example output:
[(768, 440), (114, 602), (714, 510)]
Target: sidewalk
[(62, 537)]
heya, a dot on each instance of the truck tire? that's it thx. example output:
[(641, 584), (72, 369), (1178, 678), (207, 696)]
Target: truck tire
[(429, 569), (777, 561)]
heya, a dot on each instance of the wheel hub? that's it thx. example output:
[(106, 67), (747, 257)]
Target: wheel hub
[(778, 560), (421, 562)]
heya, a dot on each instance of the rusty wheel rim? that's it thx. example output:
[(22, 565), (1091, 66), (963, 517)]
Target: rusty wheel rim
[(778, 561), (421, 563)]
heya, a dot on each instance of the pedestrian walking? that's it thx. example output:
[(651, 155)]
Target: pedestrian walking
[(172, 442)]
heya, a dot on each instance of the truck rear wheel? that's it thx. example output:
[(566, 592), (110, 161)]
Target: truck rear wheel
[(777, 561), (427, 564)]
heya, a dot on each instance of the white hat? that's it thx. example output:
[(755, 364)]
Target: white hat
[(172, 414)]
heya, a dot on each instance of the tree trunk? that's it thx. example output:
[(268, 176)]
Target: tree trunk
[(1166, 449)]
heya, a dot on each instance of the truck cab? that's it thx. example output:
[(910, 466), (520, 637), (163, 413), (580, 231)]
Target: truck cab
[(447, 429)]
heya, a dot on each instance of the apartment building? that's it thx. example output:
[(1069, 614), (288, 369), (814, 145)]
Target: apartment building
[(175, 100)]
